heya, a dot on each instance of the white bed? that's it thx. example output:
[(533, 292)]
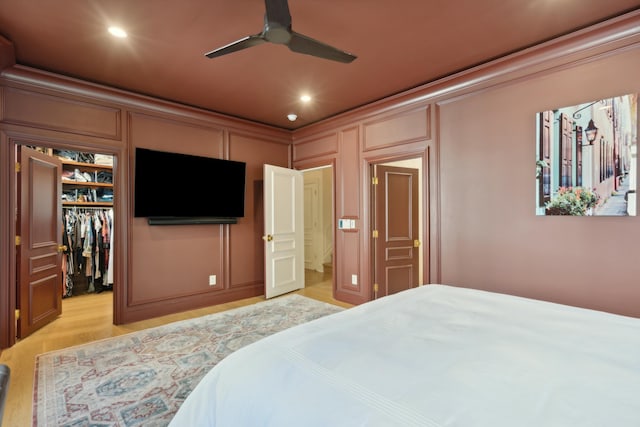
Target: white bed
[(432, 356)]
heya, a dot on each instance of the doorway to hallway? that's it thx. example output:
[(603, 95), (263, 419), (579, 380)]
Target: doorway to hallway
[(318, 224)]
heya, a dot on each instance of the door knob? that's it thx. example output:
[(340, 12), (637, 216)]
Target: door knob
[(62, 248), (268, 237)]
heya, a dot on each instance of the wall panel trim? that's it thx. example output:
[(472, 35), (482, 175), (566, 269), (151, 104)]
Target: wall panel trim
[(50, 112), (319, 146), (401, 128), (20, 76)]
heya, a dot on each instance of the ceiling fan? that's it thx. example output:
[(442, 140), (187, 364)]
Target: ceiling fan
[(277, 29)]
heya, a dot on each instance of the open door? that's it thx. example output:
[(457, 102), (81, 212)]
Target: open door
[(39, 225), (284, 228), (313, 242), (396, 239)]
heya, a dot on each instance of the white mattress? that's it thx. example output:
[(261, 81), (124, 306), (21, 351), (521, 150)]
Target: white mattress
[(432, 356)]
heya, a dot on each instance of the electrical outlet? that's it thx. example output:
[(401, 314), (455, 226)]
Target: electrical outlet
[(354, 279), (212, 280)]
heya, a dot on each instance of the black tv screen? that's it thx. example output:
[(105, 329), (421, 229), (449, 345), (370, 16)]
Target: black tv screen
[(182, 186)]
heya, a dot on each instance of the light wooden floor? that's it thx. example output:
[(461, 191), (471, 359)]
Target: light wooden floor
[(87, 318)]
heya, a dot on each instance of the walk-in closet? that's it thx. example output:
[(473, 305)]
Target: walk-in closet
[(87, 200), (87, 219)]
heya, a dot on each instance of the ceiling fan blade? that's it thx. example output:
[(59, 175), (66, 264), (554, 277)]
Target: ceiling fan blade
[(243, 43), (277, 12), (302, 44)]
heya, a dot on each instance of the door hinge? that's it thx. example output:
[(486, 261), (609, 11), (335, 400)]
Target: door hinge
[(17, 167), (416, 243), (374, 180), (374, 234), (17, 313), (18, 240)]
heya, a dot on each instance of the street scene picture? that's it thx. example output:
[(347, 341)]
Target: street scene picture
[(586, 158)]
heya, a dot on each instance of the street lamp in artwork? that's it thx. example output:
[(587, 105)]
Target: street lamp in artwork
[(591, 132)]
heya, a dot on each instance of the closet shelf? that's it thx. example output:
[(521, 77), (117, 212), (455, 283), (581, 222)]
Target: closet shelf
[(81, 165), (105, 204), (87, 184), (94, 192)]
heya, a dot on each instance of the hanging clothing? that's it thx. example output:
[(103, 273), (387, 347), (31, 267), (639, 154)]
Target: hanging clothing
[(67, 258), (88, 236), (110, 265)]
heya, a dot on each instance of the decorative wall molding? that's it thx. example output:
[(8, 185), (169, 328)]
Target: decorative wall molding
[(400, 128), (21, 76), (320, 146), (33, 109)]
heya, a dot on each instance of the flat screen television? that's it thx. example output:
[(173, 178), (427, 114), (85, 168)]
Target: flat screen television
[(174, 188)]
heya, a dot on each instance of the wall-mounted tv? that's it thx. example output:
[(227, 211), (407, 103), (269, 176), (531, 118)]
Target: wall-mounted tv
[(174, 188)]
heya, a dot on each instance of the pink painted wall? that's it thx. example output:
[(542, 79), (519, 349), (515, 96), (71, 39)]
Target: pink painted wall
[(173, 263), (491, 237), (159, 269), (476, 135)]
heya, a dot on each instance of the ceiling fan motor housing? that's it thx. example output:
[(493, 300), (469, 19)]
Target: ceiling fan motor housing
[(276, 33)]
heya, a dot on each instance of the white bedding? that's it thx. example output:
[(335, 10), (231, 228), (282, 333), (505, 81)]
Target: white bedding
[(432, 356)]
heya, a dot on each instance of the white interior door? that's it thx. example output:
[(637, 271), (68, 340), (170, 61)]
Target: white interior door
[(284, 229), (312, 225)]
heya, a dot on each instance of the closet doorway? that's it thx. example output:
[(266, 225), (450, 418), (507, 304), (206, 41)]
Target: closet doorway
[(65, 224), (318, 226)]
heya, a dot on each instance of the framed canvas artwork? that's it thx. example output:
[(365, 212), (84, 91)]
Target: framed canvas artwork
[(586, 158)]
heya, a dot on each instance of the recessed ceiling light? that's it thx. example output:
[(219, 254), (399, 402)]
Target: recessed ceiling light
[(117, 32), (292, 117), (305, 98)]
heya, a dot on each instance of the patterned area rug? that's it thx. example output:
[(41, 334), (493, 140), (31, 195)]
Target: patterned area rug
[(142, 378)]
